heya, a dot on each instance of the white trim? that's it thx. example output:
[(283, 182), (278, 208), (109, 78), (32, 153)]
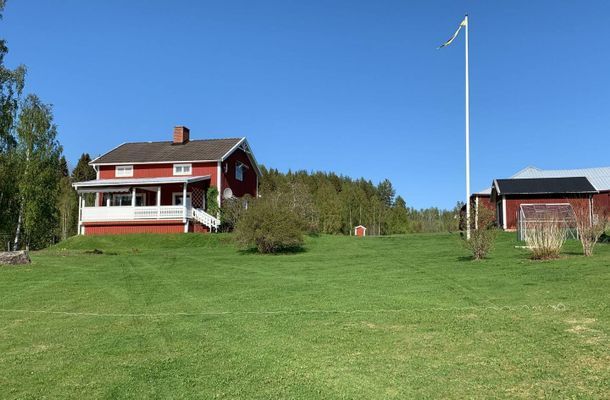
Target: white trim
[(504, 224), (183, 166), (80, 214), (476, 212), (92, 162), (240, 166), (139, 181), (219, 181), (185, 196), (232, 149), (248, 152), (127, 171)]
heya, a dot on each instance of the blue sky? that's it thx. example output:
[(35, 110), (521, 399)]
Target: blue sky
[(355, 87)]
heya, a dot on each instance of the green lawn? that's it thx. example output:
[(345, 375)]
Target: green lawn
[(183, 316)]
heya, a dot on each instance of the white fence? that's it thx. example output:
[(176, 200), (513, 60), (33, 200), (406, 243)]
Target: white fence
[(127, 213)]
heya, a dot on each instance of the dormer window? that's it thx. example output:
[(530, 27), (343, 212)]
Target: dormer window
[(239, 171), (182, 169), (123, 171)]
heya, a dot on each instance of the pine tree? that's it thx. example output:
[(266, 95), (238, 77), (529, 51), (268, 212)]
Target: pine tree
[(83, 171)]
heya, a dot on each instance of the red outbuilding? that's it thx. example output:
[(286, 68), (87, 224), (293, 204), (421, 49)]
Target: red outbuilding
[(586, 187), (360, 230), (162, 187)]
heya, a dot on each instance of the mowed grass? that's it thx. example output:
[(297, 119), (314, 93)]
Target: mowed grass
[(188, 316)]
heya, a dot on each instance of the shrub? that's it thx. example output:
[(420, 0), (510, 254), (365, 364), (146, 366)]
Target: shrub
[(270, 225), (232, 211), (211, 201), (545, 238), (591, 225), (483, 236)]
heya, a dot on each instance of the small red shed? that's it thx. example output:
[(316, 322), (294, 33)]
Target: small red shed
[(360, 230)]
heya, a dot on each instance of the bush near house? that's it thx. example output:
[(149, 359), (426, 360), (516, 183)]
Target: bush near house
[(270, 225)]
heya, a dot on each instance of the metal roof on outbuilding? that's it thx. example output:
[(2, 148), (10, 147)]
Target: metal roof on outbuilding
[(598, 177)]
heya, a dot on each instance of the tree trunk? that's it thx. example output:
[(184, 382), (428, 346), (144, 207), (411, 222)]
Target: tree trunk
[(18, 231)]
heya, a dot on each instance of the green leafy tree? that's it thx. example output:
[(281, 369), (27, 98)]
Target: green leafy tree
[(38, 178), (399, 217), (330, 208), (11, 86)]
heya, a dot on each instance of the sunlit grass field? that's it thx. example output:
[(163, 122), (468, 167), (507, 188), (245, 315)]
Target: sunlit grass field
[(189, 316)]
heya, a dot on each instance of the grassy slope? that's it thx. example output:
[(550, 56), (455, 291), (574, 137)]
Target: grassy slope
[(463, 329)]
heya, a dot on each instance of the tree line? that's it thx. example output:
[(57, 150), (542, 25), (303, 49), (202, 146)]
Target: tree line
[(338, 203)]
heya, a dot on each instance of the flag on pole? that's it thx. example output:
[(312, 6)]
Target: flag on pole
[(448, 42)]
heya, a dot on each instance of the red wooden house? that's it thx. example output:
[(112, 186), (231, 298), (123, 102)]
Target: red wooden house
[(161, 187)]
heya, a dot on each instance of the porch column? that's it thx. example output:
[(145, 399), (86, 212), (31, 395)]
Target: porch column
[(184, 202), (133, 197), (158, 202), (80, 212), (97, 199)]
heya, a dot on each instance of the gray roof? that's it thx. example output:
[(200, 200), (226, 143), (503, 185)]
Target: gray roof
[(194, 150), (599, 177)]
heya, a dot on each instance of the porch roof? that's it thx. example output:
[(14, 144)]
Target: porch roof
[(126, 182)]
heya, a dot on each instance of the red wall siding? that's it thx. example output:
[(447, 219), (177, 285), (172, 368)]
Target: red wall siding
[(485, 201), (512, 206), (239, 188), (161, 170), (127, 227), (602, 200)]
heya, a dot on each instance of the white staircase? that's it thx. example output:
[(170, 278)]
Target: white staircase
[(205, 219)]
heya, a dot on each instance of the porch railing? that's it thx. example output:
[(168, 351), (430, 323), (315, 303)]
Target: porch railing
[(128, 213)]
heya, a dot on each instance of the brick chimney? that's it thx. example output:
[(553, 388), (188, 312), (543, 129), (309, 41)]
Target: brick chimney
[(181, 134)]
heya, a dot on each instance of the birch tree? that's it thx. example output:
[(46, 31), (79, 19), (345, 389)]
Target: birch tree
[(37, 178)]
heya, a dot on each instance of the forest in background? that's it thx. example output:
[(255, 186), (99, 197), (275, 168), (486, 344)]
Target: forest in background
[(340, 203)]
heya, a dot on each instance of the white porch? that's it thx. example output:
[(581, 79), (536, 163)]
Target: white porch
[(144, 199)]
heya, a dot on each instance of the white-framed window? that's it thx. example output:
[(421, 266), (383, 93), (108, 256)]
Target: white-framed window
[(118, 200), (177, 199), (123, 171), (239, 171), (182, 169)]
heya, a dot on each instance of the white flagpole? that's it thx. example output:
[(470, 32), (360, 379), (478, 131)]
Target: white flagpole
[(467, 136)]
